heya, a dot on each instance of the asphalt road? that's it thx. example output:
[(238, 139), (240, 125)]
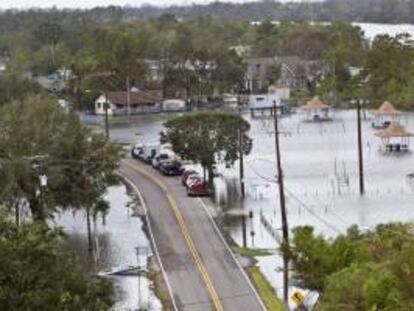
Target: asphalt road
[(201, 271)]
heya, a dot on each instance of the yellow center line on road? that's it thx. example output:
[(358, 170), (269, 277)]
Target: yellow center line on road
[(187, 236)]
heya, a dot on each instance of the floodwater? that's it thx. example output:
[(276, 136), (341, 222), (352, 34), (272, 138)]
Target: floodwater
[(372, 30), (115, 240), (318, 159), (321, 179)]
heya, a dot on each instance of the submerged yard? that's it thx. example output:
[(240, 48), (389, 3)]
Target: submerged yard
[(320, 163)]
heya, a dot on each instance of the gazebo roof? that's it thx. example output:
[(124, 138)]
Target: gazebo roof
[(315, 104), (386, 109), (394, 130)]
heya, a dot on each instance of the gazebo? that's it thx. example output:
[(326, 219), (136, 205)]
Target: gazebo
[(316, 111), (395, 138), (384, 115)]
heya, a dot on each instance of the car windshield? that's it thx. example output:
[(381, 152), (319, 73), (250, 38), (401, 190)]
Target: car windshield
[(163, 156)]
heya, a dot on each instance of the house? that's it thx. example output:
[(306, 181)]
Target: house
[(297, 73), (262, 105), (262, 101), (259, 73), (290, 72), (139, 102), (230, 100), (174, 105)]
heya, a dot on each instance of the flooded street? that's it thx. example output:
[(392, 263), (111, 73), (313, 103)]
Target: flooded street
[(317, 160), (115, 243)]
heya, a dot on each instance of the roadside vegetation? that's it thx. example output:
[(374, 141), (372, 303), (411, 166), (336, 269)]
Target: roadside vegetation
[(36, 274), (49, 163), (265, 290), (251, 252), (362, 270)]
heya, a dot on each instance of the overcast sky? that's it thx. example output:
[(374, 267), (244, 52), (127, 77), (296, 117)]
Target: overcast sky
[(7, 4)]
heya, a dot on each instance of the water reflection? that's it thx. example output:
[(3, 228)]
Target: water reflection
[(115, 243)]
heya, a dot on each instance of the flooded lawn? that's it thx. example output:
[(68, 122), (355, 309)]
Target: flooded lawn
[(320, 164), (115, 244), (317, 159)]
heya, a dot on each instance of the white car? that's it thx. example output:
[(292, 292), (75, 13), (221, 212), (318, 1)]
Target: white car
[(160, 158)]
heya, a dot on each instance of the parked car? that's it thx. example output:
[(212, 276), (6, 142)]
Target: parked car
[(192, 179), (161, 158), (137, 151), (149, 152), (199, 187), (185, 175), (171, 168)]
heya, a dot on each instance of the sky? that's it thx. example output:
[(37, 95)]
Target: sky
[(21, 4)]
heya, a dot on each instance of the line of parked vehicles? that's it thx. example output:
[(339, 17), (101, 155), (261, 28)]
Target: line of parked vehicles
[(168, 164)]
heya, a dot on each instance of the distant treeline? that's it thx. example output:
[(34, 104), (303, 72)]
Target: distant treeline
[(374, 11)]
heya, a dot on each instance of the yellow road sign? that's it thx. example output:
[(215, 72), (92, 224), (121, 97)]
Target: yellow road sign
[(298, 298)]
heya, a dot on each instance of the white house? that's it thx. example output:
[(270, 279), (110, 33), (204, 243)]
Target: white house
[(230, 100), (282, 92), (174, 105), (139, 102), (263, 101)]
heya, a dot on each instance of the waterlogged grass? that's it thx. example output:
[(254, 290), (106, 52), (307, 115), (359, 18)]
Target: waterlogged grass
[(266, 291), (251, 252)]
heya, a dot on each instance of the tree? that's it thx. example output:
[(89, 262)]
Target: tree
[(383, 69), (81, 63), (357, 271), (208, 137), (368, 286), (314, 258), (16, 88), (49, 33), (36, 274), (36, 138)]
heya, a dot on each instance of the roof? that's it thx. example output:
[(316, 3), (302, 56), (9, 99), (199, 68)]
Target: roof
[(136, 97), (386, 109), (299, 66), (395, 129), (314, 104), (294, 63), (260, 60)]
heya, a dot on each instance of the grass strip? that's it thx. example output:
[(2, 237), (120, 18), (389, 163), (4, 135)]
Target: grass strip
[(251, 252), (265, 290)]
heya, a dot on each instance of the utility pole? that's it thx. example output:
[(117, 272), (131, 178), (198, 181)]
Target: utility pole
[(244, 230), (88, 211), (106, 116), (241, 167), (285, 229), (128, 96), (360, 151)]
